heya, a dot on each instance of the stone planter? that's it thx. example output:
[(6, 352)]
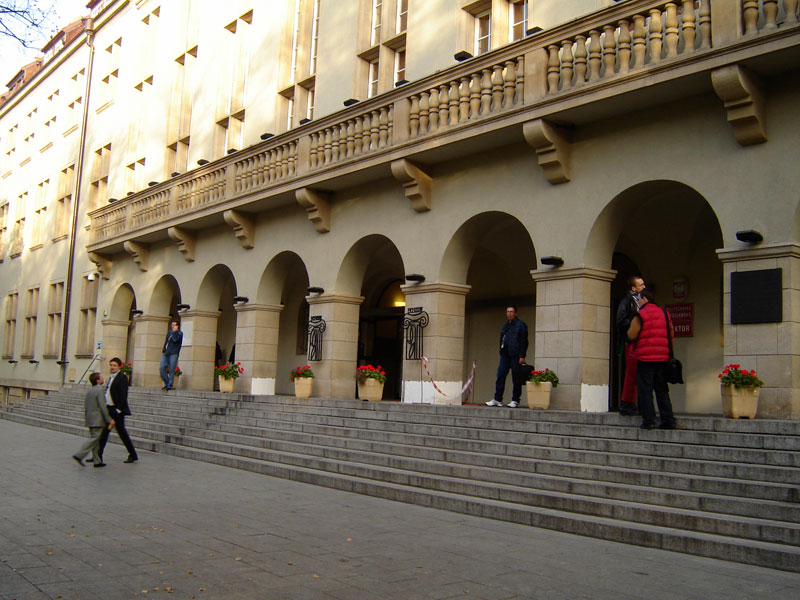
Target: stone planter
[(740, 403), (226, 385), (370, 389), (539, 394), (303, 386)]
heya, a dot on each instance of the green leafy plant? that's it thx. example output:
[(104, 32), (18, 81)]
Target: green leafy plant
[(365, 372), (739, 378), (542, 376), (302, 373), (229, 371), (126, 368)]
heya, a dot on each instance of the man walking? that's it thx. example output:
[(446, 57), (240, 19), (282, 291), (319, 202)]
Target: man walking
[(116, 398), (627, 309), (513, 346), (97, 419), (169, 356)]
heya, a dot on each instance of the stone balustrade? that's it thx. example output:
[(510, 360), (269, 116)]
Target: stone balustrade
[(353, 137), (767, 15), (265, 168)]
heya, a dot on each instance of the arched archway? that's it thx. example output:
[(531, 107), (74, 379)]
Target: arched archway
[(493, 254), (671, 233), (119, 326)]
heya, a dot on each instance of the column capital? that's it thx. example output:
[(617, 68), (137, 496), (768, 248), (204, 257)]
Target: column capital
[(258, 307), (442, 287), (188, 314), (152, 318), (334, 298), (574, 273), (778, 250), (115, 322)]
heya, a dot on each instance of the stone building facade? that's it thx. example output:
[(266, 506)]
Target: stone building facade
[(253, 166)]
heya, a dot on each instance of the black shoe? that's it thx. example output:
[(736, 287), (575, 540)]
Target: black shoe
[(647, 426), (79, 461), (628, 409), (91, 460), (131, 459), (98, 465), (168, 387), (668, 426)]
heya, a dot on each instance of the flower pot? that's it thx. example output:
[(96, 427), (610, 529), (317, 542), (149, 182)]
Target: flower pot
[(226, 385), (370, 389), (303, 386), (539, 394), (739, 403)]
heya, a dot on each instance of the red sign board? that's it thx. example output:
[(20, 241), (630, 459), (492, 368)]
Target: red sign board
[(682, 316)]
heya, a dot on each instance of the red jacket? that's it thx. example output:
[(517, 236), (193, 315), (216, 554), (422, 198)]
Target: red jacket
[(652, 344)]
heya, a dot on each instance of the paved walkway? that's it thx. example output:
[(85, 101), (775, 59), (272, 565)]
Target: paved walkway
[(166, 527)]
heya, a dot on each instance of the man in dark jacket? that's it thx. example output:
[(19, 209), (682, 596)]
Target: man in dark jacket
[(117, 403), (627, 309), (513, 347), (169, 355)]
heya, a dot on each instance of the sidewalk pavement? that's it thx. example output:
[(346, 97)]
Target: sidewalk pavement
[(172, 528)]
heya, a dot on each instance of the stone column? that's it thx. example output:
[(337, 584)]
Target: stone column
[(257, 330), (197, 353), (772, 349), (150, 332), (115, 339), (335, 373), (573, 334), (443, 343)]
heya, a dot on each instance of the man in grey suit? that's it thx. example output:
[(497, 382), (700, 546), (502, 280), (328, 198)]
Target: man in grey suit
[(97, 419)]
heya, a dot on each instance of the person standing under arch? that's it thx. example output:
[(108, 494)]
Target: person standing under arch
[(513, 347), (169, 355), (627, 309)]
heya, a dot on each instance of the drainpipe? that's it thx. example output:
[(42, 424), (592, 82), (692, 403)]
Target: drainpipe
[(76, 197)]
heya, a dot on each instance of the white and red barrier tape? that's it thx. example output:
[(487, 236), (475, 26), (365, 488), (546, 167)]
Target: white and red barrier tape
[(466, 387)]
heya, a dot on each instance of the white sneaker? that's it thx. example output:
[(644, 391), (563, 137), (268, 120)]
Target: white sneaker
[(513, 404), (494, 402)]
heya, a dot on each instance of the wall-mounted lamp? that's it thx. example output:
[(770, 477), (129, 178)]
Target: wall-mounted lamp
[(174, 174), (240, 299), (400, 82), (415, 277), (350, 101), (136, 312), (130, 193), (749, 236), (183, 307), (202, 162), (315, 290), (61, 363), (91, 277), (552, 261), (152, 183), (304, 121), (111, 200), (33, 361), (533, 30), (462, 55), (266, 136), (12, 361), (232, 150)]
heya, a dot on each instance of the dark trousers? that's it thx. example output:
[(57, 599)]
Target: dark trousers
[(650, 378), (629, 383), (119, 425), (508, 363)]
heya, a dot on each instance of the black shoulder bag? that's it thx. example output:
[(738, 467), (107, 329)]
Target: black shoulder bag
[(673, 372)]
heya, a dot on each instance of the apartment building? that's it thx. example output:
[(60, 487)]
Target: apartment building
[(365, 181)]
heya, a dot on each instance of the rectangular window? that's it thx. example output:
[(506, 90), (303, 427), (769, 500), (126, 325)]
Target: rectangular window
[(66, 181), (517, 20), (3, 230), (483, 32), (312, 67), (100, 169), (55, 307), (402, 16), (400, 65), (31, 312), (17, 243), (375, 36), (374, 77), (11, 324), (39, 228), (88, 316), (310, 103)]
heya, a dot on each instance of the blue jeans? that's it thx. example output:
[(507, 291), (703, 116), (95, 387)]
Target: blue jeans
[(167, 368), (508, 363)]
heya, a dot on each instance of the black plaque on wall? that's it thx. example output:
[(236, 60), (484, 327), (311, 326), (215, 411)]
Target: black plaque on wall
[(757, 296)]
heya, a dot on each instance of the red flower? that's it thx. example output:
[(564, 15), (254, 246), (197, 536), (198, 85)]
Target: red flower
[(306, 367), (720, 375), (241, 370), (238, 363), (383, 372), (216, 367)]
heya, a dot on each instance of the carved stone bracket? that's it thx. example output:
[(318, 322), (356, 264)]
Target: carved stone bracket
[(243, 227), (318, 207), (415, 181), (742, 94), (103, 263), (139, 252), (186, 240), (552, 149)]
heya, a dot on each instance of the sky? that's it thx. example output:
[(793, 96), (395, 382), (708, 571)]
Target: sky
[(13, 56)]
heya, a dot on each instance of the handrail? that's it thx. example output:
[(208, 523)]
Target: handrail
[(94, 358)]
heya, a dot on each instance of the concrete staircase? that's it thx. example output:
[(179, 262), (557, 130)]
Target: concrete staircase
[(716, 487)]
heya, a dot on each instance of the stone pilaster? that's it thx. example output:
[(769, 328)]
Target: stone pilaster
[(443, 343), (772, 349), (573, 334), (335, 373), (197, 353), (115, 339), (257, 329), (149, 335)]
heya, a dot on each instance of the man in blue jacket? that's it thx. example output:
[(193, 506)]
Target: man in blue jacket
[(513, 346), (169, 356)]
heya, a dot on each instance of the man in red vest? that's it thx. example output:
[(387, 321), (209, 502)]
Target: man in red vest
[(652, 331)]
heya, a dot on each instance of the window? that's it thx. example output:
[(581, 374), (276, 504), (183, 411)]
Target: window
[(17, 238), (310, 103), (11, 324), (483, 32), (55, 307), (375, 28), (66, 181), (402, 16), (312, 68), (3, 230), (100, 168), (29, 333), (231, 96), (400, 65), (134, 176), (180, 120), (87, 318), (39, 228), (517, 20), (374, 78)]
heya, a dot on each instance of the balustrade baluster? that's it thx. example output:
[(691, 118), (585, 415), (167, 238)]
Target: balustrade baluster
[(567, 62), (312, 153), (292, 158), (639, 41), (452, 104), (366, 134), (519, 87), (463, 100), (770, 14), (390, 123), (343, 140), (750, 17), (413, 116), (595, 53), (609, 50), (790, 7), (624, 46), (705, 24), (327, 152), (486, 91), (688, 25), (553, 69), (671, 30), (655, 35), (358, 139), (351, 133), (383, 135), (424, 109), (434, 109), (509, 83), (497, 87), (335, 143), (271, 159), (475, 95), (374, 131), (281, 162), (444, 105), (580, 60)]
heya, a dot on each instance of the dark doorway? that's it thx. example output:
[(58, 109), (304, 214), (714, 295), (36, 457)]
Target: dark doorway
[(625, 268), (381, 337)]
